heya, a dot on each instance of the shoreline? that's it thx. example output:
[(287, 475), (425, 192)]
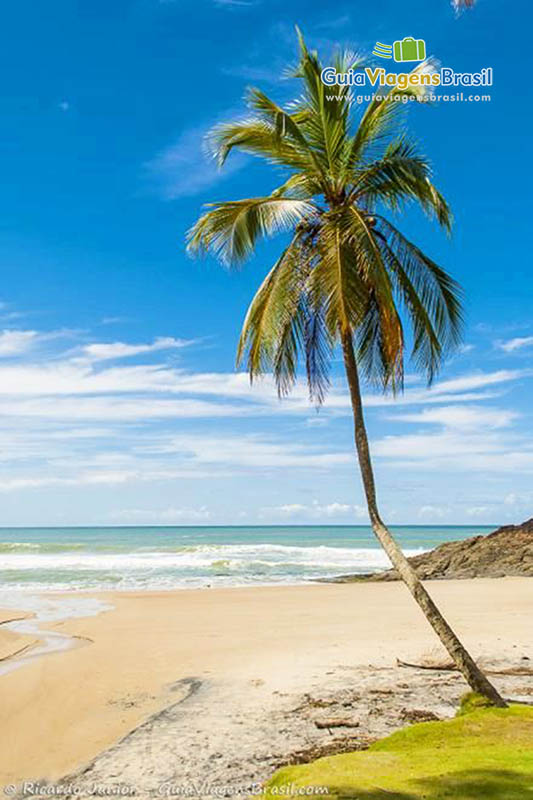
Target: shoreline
[(246, 646)]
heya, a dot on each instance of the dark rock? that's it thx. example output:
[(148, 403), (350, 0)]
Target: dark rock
[(507, 551)]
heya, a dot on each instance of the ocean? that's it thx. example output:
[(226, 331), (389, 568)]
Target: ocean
[(145, 558)]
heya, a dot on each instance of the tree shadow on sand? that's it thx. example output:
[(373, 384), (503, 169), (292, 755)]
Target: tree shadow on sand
[(468, 785)]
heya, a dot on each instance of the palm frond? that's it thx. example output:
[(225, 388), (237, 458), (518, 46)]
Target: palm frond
[(288, 126), (383, 114), (382, 359), (336, 284), (327, 123), (283, 323), (275, 302), (379, 346), (300, 186), (258, 137), (319, 345), (401, 175), (431, 296), (231, 230)]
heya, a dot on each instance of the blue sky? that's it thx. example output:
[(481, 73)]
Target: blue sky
[(118, 395)]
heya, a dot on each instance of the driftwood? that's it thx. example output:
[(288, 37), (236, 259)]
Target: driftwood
[(336, 722), (449, 666)]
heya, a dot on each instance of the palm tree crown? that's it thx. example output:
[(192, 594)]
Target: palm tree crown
[(346, 268)]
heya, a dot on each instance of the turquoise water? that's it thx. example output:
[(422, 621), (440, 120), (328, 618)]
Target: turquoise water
[(39, 559)]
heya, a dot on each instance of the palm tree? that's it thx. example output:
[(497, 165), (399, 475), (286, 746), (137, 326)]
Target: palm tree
[(347, 272)]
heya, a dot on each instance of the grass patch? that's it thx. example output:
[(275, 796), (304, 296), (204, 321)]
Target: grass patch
[(472, 701), (485, 754)]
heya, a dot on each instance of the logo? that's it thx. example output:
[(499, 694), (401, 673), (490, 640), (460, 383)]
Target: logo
[(382, 50), (407, 49), (427, 74)]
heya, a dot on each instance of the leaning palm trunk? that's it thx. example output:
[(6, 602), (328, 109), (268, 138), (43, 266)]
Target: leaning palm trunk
[(460, 656)]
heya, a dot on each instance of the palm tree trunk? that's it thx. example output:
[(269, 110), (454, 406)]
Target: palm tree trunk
[(461, 658)]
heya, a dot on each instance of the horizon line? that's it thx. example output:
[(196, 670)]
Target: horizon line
[(272, 525)]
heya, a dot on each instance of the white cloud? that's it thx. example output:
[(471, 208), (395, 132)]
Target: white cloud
[(478, 380), (317, 510), (183, 169), (167, 516), (18, 343), (250, 452), (431, 512), (515, 344), (455, 451), (518, 499), (335, 509), (142, 409), (77, 418), (417, 447), (110, 350), (113, 408), (13, 343), (462, 417), (39, 458), (464, 388), (472, 438), (97, 478), (289, 508), (150, 391), (317, 421), (109, 478), (478, 511)]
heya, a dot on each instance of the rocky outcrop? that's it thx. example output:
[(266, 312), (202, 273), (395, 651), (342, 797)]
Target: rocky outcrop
[(505, 552)]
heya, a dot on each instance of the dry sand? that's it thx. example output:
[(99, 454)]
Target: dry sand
[(244, 660)]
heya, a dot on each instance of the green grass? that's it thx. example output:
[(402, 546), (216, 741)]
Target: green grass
[(486, 754)]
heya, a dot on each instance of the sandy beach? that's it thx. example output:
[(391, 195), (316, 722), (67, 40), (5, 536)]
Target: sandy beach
[(218, 669)]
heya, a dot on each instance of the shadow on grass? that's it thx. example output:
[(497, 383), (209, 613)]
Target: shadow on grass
[(469, 785)]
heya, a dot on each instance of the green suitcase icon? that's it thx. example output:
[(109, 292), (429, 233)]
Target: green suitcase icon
[(409, 49)]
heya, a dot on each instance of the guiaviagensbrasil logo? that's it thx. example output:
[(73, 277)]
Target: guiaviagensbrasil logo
[(427, 71), (406, 49)]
